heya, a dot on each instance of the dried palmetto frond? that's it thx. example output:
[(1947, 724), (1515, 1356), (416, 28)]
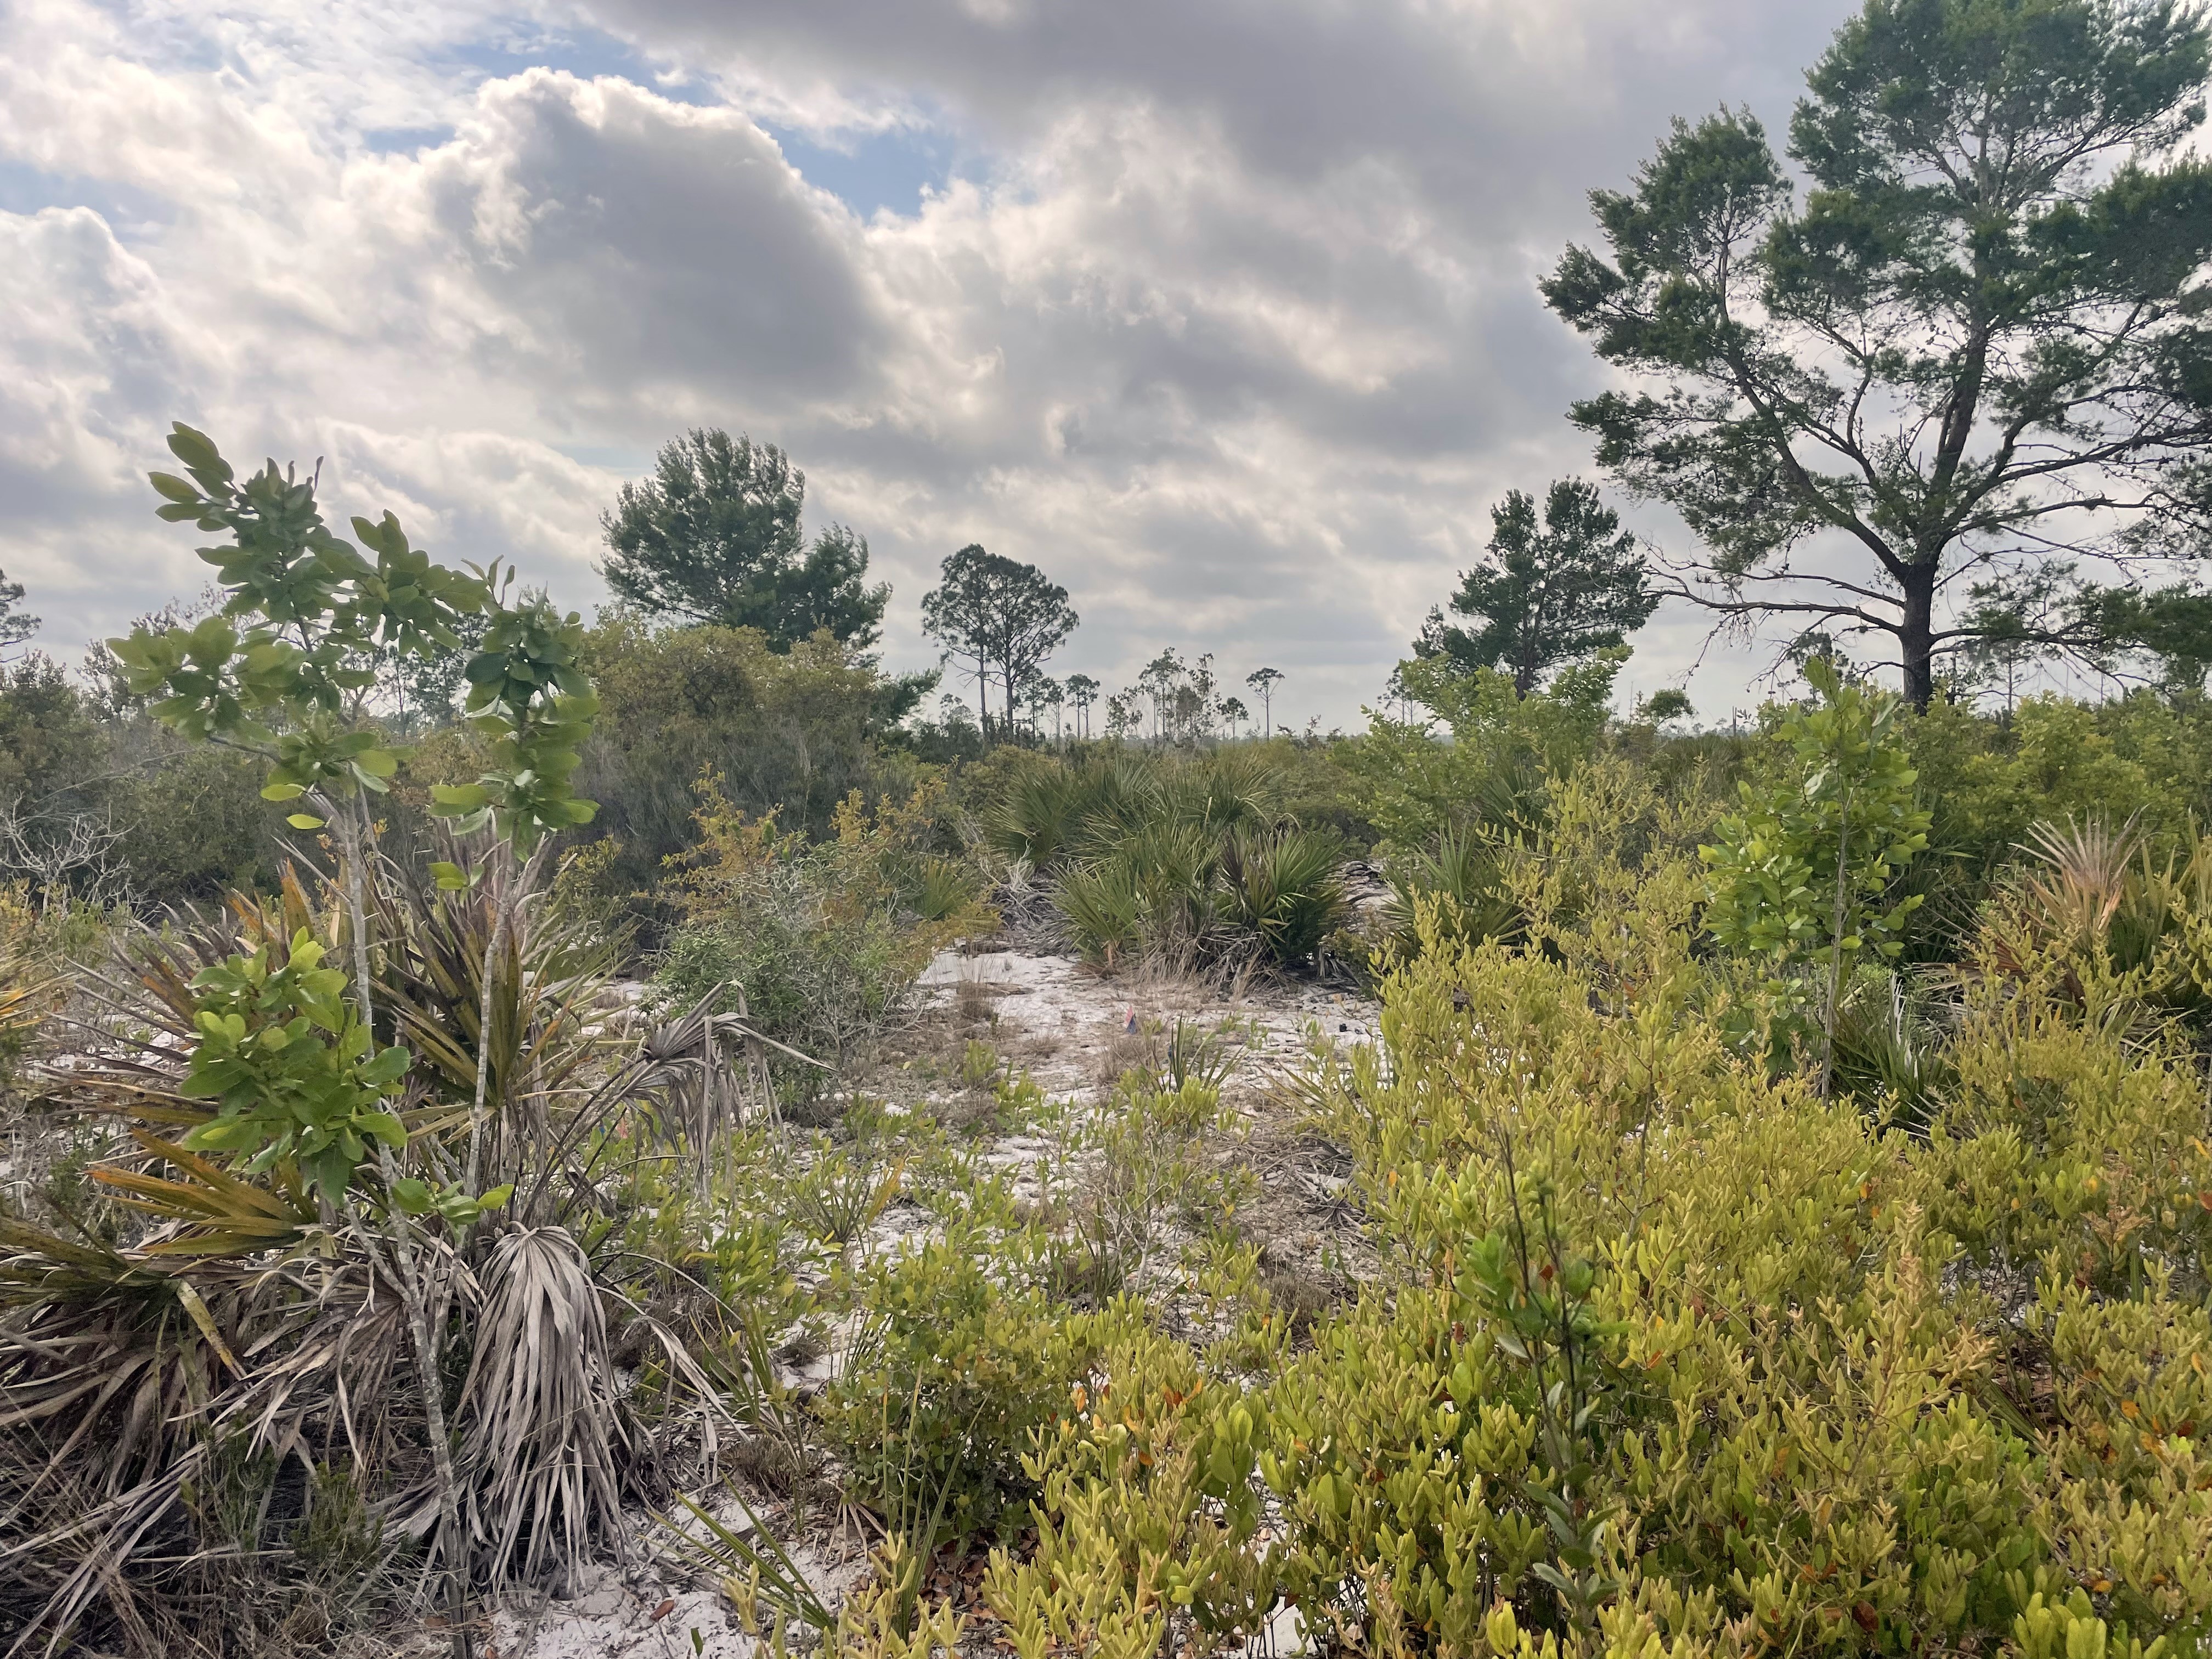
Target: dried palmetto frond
[(208, 1212), (546, 1431), (549, 1053), (248, 1321)]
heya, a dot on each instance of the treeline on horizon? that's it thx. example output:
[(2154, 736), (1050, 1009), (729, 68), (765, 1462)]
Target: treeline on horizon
[(102, 806)]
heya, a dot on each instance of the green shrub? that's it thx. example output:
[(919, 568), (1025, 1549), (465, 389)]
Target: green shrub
[(1504, 743), (961, 1359), (1183, 859), (1284, 888), (824, 943), (791, 733), (1673, 1354), (1462, 873), (1143, 1172), (1105, 911)]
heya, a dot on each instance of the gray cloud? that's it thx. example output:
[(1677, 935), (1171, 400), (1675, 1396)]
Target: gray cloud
[(648, 250)]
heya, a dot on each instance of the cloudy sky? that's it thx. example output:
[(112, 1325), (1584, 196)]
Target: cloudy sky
[(1223, 313)]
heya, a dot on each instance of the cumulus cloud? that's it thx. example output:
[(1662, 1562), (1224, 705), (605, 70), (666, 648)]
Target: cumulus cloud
[(1225, 314)]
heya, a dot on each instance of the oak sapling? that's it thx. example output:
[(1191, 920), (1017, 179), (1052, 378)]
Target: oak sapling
[(282, 671)]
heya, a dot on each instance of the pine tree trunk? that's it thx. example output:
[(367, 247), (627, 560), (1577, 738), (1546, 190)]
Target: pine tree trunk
[(1916, 636)]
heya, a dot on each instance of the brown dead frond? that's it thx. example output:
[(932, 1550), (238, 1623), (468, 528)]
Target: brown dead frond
[(123, 1373), (546, 1431)]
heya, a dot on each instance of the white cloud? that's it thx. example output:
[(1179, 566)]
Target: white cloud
[(1228, 321)]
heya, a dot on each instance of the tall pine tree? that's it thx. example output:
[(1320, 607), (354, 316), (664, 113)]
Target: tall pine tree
[(713, 536), (1979, 345)]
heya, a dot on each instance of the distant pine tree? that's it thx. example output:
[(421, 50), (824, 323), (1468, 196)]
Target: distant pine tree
[(1556, 593), (715, 536)]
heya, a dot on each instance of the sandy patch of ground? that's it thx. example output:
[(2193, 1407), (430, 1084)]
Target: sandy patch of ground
[(1071, 1027), (1074, 1032)]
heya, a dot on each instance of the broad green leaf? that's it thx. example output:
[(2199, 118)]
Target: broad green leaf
[(384, 1127)]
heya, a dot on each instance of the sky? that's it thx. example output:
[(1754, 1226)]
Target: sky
[(1224, 313)]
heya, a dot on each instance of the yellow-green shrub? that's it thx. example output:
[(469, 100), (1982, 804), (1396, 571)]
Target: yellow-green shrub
[(1147, 1514), (959, 1358), (1672, 1354)]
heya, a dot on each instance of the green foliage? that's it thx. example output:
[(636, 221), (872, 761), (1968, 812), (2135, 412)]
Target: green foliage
[(791, 732), (1282, 887), (1550, 596), (187, 820), (316, 603), (1670, 1354), (1491, 775), (1006, 616), (1144, 1173), (1988, 782), (840, 1192), (1187, 858), (825, 943), (29, 981), (318, 614), (1800, 875), (963, 1359), (2128, 926), (1148, 1516), (1461, 876), (194, 824), (16, 626), (50, 742), (1193, 1054), (713, 536), (528, 692), (1172, 892), (2171, 626), (266, 1306), (297, 1084)]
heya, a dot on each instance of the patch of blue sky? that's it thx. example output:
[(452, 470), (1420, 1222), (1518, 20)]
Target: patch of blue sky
[(888, 169), (586, 53), (25, 190)]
